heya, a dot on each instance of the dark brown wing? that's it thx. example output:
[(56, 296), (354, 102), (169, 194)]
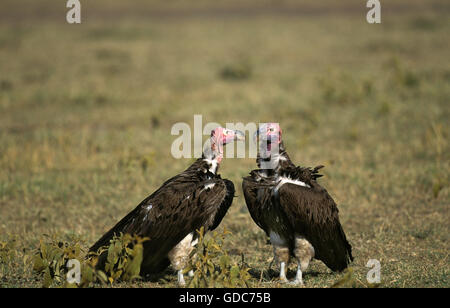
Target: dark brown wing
[(225, 205), (257, 194), (182, 205), (313, 214)]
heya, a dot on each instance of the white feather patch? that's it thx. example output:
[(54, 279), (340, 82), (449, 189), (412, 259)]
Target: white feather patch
[(209, 186), (284, 180), (148, 208), (213, 164)]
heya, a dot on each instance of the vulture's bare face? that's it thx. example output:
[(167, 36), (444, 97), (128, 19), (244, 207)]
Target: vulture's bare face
[(223, 136), (268, 134)]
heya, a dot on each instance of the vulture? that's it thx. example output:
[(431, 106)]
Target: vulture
[(169, 217), (297, 214)]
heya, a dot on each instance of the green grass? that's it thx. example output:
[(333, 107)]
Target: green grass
[(86, 112)]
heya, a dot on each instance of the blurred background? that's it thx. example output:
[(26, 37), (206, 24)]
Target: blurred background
[(86, 112)]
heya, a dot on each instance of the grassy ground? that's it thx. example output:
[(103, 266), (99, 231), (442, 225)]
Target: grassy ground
[(86, 112)]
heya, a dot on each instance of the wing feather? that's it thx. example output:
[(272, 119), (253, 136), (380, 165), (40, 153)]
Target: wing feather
[(224, 206), (182, 205), (314, 214), (257, 197)]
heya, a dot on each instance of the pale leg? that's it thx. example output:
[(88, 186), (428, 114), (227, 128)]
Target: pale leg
[(299, 277), (179, 257), (303, 252), (283, 272), (281, 253), (181, 281)]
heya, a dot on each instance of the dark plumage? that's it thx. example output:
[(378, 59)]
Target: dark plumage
[(181, 205), (195, 198), (297, 213)]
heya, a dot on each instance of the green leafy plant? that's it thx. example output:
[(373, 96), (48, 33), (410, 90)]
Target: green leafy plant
[(123, 261), (213, 267), (124, 257), (349, 280), (51, 260)]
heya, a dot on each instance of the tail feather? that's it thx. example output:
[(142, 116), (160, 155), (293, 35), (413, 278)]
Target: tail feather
[(116, 230)]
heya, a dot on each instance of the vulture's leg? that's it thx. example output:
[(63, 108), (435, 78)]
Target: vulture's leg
[(193, 244), (283, 272), (180, 278), (281, 253), (298, 277), (179, 256), (303, 252)]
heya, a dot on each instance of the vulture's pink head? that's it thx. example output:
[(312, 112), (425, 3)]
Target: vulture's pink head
[(221, 136), (269, 133)]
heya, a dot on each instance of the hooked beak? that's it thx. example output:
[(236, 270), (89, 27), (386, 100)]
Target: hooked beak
[(239, 136)]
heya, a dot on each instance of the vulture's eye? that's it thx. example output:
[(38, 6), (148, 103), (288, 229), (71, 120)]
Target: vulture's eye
[(271, 129)]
